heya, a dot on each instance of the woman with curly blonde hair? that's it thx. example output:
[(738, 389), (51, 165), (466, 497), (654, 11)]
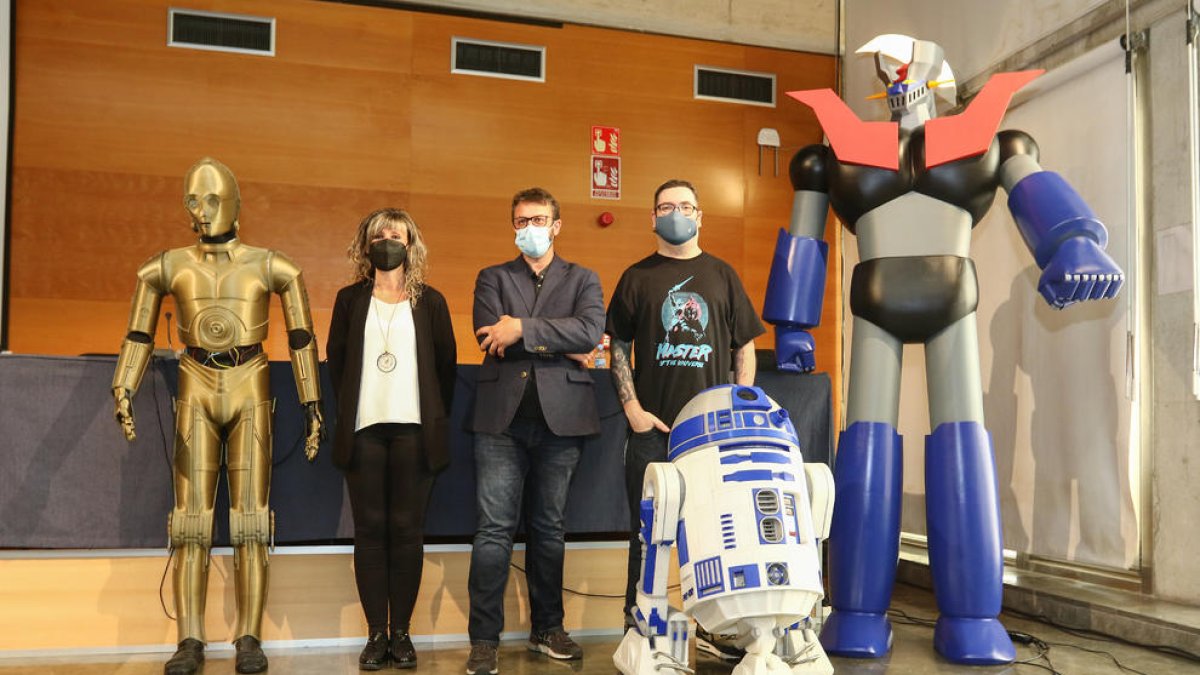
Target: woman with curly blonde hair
[(392, 357)]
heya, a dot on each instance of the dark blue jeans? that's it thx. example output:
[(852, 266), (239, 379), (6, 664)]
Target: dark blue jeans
[(526, 461)]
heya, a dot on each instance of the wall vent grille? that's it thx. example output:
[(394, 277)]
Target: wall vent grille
[(734, 86), (238, 33), (497, 59)]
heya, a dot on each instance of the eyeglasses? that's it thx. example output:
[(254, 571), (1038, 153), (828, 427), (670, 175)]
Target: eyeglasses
[(536, 221), (666, 208)]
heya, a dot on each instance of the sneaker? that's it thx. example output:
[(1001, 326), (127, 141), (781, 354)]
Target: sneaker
[(249, 657), (723, 647), (375, 655), (187, 658), (403, 653), (556, 644), (482, 660)]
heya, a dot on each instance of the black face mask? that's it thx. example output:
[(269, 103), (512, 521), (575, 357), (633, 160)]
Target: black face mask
[(387, 254)]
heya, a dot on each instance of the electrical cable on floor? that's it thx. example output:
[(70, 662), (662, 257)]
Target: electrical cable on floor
[(1087, 634), (582, 594)]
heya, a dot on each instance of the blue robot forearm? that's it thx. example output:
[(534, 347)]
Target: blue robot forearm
[(1048, 212), (796, 284)]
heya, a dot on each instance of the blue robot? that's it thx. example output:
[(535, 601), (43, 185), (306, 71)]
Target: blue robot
[(746, 515), (911, 190)]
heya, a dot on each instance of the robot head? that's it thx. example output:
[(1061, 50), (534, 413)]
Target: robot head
[(912, 71), (212, 198)]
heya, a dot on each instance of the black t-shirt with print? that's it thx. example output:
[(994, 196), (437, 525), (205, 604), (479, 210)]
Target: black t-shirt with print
[(684, 318)]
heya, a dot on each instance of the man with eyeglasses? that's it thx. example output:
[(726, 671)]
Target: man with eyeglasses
[(685, 318), (536, 317)]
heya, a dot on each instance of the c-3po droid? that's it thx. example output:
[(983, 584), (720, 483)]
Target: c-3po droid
[(224, 408), (746, 515)]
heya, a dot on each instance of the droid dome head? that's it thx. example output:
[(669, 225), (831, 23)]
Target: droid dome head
[(914, 74), (212, 199)]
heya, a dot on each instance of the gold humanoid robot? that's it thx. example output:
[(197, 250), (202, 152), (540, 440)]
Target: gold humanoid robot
[(222, 289)]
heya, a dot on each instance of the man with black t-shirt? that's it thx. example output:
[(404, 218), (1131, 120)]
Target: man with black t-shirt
[(687, 321)]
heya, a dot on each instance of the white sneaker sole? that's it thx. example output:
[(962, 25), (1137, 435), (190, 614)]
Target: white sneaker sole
[(543, 649)]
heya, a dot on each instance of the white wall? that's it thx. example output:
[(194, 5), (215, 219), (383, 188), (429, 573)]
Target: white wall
[(785, 24)]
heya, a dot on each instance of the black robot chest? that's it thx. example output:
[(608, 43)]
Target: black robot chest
[(969, 183)]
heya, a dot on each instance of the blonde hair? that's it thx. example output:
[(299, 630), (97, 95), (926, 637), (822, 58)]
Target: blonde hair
[(415, 264)]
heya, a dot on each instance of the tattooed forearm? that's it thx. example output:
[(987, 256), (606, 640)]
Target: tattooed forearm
[(745, 362), (621, 373)]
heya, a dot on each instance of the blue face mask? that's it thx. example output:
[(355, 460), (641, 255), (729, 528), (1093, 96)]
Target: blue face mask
[(534, 241), (675, 227)]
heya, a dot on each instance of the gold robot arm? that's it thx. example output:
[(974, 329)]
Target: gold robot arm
[(138, 345), (288, 282)]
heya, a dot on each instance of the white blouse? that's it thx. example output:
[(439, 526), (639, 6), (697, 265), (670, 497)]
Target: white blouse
[(389, 396)]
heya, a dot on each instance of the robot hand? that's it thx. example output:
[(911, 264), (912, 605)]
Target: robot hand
[(123, 412), (315, 429), (1079, 270), (795, 350)]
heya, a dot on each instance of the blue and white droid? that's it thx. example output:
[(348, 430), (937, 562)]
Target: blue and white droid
[(747, 515)]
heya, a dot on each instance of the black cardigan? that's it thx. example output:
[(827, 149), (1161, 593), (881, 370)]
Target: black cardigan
[(437, 358)]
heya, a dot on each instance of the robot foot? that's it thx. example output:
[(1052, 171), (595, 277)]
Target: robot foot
[(187, 659), (975, 642), (857, 634), (250, 657), (637, 656)]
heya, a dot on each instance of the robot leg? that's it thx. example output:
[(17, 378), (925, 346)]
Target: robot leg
[(965, 549), (864, 542), (251, 522), (189, 526), (660, 640)]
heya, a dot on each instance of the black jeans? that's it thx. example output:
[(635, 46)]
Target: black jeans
[(641, 448), (389, 487), (530, 461)]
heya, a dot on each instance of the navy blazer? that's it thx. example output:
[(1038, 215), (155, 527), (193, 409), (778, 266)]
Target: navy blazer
[(566, 318), (437, 358)]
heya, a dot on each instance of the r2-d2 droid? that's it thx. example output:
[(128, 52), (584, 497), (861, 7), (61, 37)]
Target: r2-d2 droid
[(747, 514)]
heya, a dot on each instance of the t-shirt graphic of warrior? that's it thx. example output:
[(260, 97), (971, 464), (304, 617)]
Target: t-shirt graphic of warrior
[(685, 318)]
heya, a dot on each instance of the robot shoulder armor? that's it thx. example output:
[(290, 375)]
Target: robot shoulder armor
[(153, 271), (809, 168), (280, 268), (1014, 142)]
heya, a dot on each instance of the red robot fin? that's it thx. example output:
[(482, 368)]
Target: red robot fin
[(853, 140), (970, 132)]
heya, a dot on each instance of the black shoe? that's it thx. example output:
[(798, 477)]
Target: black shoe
[(403, 654), (723, 647), (250, 657), (482, 660), (556, 644), (375, 655), (187, 659)]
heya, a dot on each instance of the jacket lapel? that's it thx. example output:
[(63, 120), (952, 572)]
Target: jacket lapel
[(518, 272), (554, 275)]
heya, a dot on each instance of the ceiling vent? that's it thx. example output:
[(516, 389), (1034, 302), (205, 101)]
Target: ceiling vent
[(214, 31), (497, 59), (735, 86)]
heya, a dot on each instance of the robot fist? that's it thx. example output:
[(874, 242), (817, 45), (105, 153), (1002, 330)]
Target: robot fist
[(1079, 270), (315, 429), (794, 350), (123, 412)]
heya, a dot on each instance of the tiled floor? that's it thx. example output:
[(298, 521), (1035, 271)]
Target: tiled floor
[(912, 654)]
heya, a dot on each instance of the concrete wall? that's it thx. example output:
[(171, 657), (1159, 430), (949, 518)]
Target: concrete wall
[(1176, 414), (786, 24)]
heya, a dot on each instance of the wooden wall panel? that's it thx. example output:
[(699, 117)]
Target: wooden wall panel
[(359, 110)]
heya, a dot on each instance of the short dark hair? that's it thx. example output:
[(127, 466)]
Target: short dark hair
[(674, 183), (535, 195)]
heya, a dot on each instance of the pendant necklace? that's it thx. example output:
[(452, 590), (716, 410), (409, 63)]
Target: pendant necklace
[(387, 360)]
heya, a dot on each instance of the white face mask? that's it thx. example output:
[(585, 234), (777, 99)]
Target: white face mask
[(533, 241)]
